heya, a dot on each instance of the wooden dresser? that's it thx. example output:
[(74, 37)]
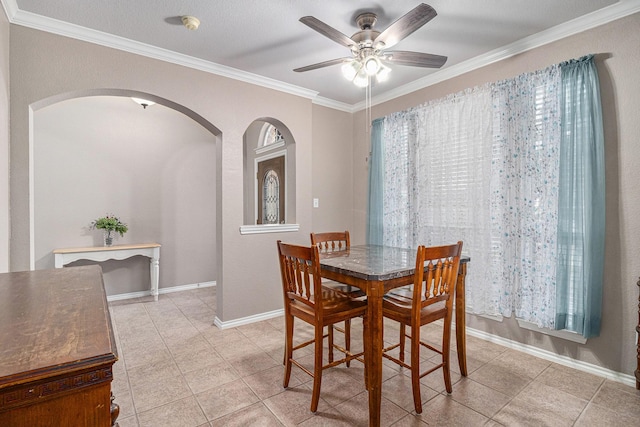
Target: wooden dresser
[(56, 349)]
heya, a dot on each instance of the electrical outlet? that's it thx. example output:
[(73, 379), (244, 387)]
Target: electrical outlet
[(316, 203)]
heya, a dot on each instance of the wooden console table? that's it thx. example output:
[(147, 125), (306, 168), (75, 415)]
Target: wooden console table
[(117, 252), (57, 349)]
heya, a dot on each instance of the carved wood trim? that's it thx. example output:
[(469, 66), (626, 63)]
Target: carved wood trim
[(25, 394)]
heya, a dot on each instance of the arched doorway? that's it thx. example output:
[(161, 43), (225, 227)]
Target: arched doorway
[(98, 152)]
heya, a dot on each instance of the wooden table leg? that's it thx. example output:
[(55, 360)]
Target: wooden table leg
[(461, 336), (374, 351)]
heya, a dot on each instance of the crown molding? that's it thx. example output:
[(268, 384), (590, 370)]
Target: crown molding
[(10, 7), (54, 26), (566, 29), (600, 17), (332, 103)]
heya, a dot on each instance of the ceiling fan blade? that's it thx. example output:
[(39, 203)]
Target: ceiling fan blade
[(321, 64), (415, 59), (406, 25), (327, 31)]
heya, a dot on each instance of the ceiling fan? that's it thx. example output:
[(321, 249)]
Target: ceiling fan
[(369, 57)]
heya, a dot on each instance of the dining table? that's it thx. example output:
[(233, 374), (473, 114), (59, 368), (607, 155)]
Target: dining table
[(375, 270)]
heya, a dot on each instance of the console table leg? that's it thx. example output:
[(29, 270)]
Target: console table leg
[(154, 273)]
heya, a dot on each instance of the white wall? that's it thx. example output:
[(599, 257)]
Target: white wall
[(154, 168), (333, 171)]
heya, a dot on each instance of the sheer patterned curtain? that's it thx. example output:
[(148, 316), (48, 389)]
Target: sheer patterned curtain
[(437, 176), (481, 166), (524, 196)]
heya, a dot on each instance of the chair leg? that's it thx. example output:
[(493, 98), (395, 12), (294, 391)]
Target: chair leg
[(367, 351), (403, 334), (330, 327), (446, 352), (317, 368), (347, 338), (415, 367), (288, 352), (284, 356)]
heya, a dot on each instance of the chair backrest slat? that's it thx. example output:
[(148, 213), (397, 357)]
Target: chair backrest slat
[(331, 241), (436, 274), (300, 273)]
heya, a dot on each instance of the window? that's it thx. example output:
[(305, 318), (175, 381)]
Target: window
[(272, 136), (497, 167)]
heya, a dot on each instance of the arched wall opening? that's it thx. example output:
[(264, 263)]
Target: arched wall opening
[(259, 148), (97, 152)]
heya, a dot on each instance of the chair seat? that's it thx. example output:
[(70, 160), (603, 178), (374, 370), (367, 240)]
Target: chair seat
[(404, 291), (347, 290), (398, 308), (335, 305)]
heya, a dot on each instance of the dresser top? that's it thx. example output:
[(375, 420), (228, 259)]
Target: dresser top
[(53, 322)]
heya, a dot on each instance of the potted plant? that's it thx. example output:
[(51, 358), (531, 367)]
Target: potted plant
[(110, 224)]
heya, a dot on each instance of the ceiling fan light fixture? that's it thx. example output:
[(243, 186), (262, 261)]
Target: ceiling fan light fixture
[(350, 69), (372, 65), (361, 79), (383, 73)]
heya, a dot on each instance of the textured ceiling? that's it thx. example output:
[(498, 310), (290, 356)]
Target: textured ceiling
[(265, 37)]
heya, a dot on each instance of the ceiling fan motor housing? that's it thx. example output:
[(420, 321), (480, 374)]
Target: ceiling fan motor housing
[(366, 20)]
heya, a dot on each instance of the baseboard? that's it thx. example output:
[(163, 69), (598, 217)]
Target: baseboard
[(189, 287), (247, 320), (161, 291), (534, 351), (629, 380)]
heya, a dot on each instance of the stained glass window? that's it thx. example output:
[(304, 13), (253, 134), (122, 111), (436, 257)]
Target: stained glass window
[(271, 198), (272, 136)]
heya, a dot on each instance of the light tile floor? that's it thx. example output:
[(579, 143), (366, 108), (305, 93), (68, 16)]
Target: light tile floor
[(177, 369)]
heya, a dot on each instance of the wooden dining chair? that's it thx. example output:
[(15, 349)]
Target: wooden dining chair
[(306, 299), (336, 241), (430, 299)]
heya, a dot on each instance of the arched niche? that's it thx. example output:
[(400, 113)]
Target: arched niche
[(269, 177), (157, 168)]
